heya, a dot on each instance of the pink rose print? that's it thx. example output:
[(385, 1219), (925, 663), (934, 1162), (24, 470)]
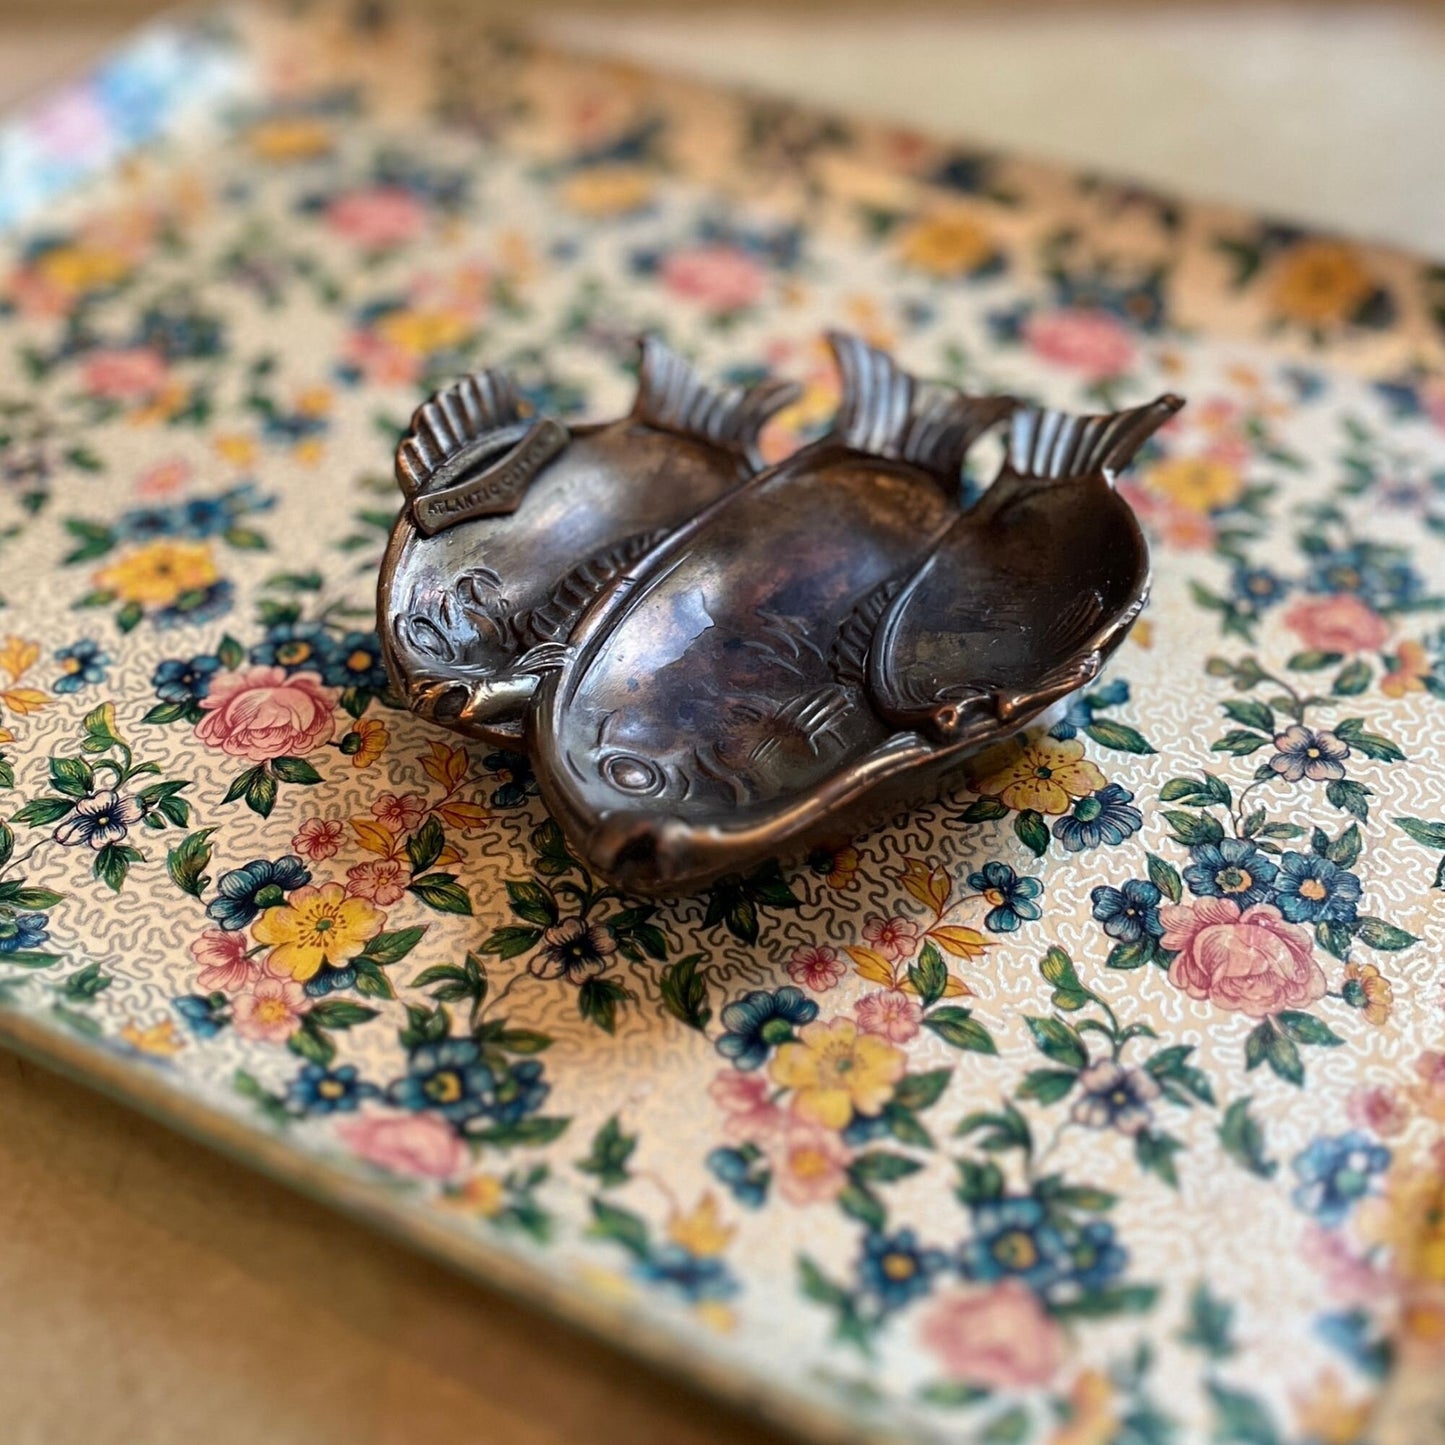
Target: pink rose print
[(1251, 962), (1429, 1092), (1093, 343), (421, 1145), (270, 1011), (743, 1098), (223, 961), (382, 881), (720, 277), (402, 813), (260, 713), (378, 217), (1379, 1109), (999, 1338), (895, 938), (818, 968), (135, 374), (810, 1164), (1348, 1276), (1342, 623), (164, 479), (890, 1013), (319, 838)]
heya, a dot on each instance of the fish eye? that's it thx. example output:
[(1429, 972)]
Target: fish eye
[(631, 774)]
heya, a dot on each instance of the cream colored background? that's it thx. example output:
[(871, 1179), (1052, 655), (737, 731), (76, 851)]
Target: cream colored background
[(150, 1292)]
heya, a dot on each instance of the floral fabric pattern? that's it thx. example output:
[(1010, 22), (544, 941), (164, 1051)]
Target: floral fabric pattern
[(1099, 1101)]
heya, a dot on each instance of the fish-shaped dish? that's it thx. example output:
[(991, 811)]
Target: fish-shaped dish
[(1023, 599), (713, 706), (513, 523)]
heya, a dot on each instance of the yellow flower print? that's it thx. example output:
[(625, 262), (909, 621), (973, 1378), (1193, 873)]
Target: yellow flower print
[(1198, 484), (701, 1232), (317, 926), (160, 1040), (1327, 1417), (422, 331), (17, 657), (314, 401), (1320, 283), (716, 1316), (600, 191), (835, 1070), (296, 139), (1424, 1320), (1043, 774), (1409, 1220), (159, 574), (946, 244), (484, 1195), (371, 740), (1093, 1417), (1408, 670), (237, 449), (78, 269), (1367, 989)]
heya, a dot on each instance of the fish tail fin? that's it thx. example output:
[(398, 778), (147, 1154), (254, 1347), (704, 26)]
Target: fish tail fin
[(1057, 446), (458, 428), (673, 397), (887, 412)]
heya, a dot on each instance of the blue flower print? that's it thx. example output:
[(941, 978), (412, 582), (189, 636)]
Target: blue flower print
[(895, 1268), (743, 1172), (692, 1277), (296, 646), (197, 607), (1129, 912), (1232, 868), (316, 1090), (23, 931), (1311, 889), (185, 681), (204, 1014), (1105, 816), (1079, 710), (1336, 1173), (759, 1020), (451, 1078), (355, 661), (243, 892), (1014, 1239), (1010, 897), (1259, 587), (82, 664)]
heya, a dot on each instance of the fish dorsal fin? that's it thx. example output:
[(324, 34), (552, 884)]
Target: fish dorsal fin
[(1056, 446), (457, 429), (671, 396), (886, 412)]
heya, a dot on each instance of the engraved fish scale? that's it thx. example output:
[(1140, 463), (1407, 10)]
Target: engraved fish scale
[(576, 590)]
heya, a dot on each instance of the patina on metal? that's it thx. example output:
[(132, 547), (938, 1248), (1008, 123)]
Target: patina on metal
[(513, 523), (811, 646)]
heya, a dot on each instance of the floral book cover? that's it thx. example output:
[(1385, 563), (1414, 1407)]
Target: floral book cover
[(1100, 1101)]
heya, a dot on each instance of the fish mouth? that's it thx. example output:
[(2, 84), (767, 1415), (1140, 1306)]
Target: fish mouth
[(652, 853), (481, 696)]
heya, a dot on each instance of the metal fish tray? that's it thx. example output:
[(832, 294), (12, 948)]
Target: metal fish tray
[(821, 641)]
